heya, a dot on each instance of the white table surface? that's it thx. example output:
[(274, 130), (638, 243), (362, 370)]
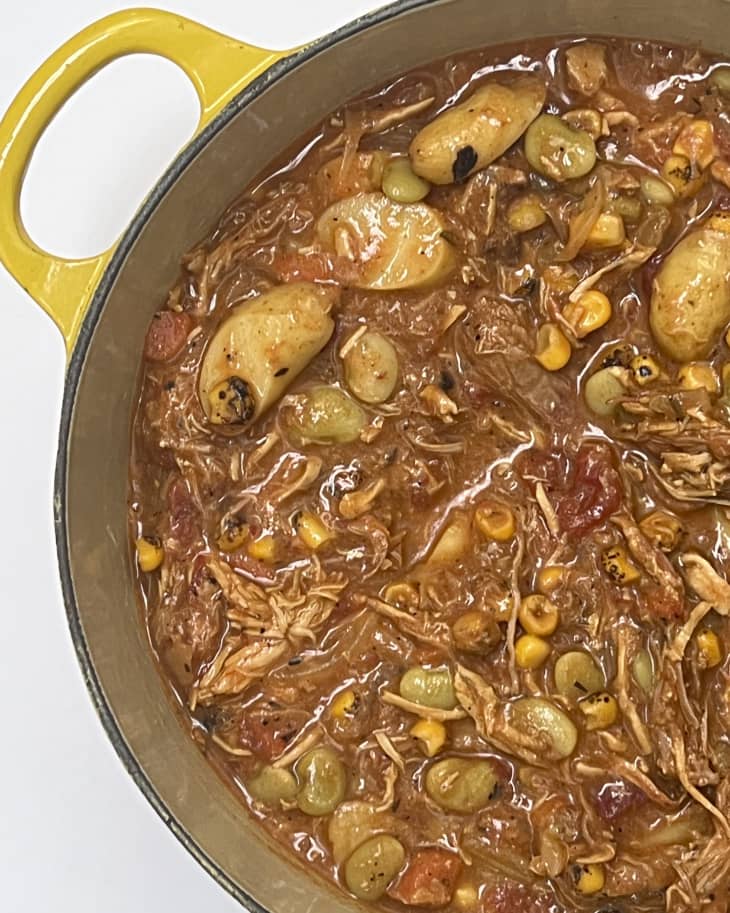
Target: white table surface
[(75, 833)]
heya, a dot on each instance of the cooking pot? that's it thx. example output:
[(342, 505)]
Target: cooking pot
[(253, 104)]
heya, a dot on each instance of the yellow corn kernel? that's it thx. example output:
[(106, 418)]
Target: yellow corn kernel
[(645, 370), (150, 553), (431, 734), (698, 375), (263, 549), (553, 349), (600, 710), (549, 578), (526, 213), (710, 649), (344, 704), (720, 222), (404, 595), (538, 615), (608, 231), (233, 535), (531, 651), (476, 632), (466, 896), (678, 172), (662, 529), (589, 313), (696, 142), (590, 878), (619, 566), (495, 521), (311, 530)]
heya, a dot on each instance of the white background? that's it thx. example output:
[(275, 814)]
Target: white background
[(75, 834)]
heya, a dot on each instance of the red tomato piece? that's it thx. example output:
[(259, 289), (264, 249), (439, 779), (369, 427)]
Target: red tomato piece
[(429, 878), (167, 335)]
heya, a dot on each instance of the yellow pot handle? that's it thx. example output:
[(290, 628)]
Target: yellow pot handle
[(219, 67)]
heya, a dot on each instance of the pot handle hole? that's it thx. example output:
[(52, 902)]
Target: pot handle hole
[(218, 66)]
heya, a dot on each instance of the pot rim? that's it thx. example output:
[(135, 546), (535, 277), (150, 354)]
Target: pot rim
[(73, 375)]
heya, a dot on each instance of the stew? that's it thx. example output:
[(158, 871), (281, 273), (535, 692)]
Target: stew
[(430, 486)]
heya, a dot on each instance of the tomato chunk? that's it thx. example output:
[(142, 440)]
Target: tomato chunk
[(429, 879), (167, 335)]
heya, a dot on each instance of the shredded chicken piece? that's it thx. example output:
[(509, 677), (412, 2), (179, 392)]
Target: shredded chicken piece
[(391, 778), (516, 602), (309, 473), (356, 503), (551, 518), (421, 628), (454, 313), (229, 749), (680, 762), (428, 713), (299, 748), (586, 66), (385, 120), (631, 258), (621, 684), (349, 343), (389, 749), (603, 853), (439, 403), (676, 650), (707, 583)]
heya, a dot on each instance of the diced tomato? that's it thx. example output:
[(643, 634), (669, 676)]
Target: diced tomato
[(429, 879), (267, 735), (663, 602), (585, 491), (296, 267), (511, 897), (615, 798), (167, 335)]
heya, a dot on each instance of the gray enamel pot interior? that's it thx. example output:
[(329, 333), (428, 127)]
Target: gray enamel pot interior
[(102, 381)]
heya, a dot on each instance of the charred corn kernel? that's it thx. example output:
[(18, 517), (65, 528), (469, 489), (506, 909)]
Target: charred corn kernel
[(431, 734), (526, 213), (600, 710), (710, 649), (311, 530), (263, 549), (495, 521), (698, 375), (684, 180), (549, 578), (696, 142), (588, 120), (344, 704), (553, 349), (234, 534), (645, 370), (590, 878), (619, 566), (720, 222), (404, 595), (466, 897), (531, 651), (150, 553), (589, 313), (662, 529), (608, 231), (476, 632), (538, 615)]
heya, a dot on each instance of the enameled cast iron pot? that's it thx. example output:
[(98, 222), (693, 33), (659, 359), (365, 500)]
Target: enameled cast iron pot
[(254, 103)]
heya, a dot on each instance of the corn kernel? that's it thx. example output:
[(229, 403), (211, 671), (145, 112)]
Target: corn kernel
[(531, 651), (466, 896), (526, 213), (344, 704), (538, 615), (662, 529), (645, 370), (263, 549), (475, 632), (678, 172), (710, 650), (600, 710), (150, 553), (587, 119), (696, 142), (590, 878), (720, 222), (549, 578), (608, 231), (589, 313), (553, 349), (619, 566), (698, 375), (311, 530), (404, 595), (431, 734), (495, 521), (233, 535)]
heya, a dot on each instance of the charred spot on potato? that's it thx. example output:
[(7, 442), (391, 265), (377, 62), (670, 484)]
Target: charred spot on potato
[(464, 164), (232, 402)]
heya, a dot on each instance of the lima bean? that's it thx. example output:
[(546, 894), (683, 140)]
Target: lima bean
[(461, 785), (373, 865), (322, 782), (429, 687)]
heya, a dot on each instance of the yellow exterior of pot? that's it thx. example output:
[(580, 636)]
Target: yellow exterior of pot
[(219, 68)]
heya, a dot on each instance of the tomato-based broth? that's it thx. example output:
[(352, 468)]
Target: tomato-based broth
[(430, 481)]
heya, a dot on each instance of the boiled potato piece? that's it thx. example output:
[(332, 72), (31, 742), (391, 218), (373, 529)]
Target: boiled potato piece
[(472, 134), (364, 175), (690, 302), (371, 368), (392, 245), (259, 348)]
